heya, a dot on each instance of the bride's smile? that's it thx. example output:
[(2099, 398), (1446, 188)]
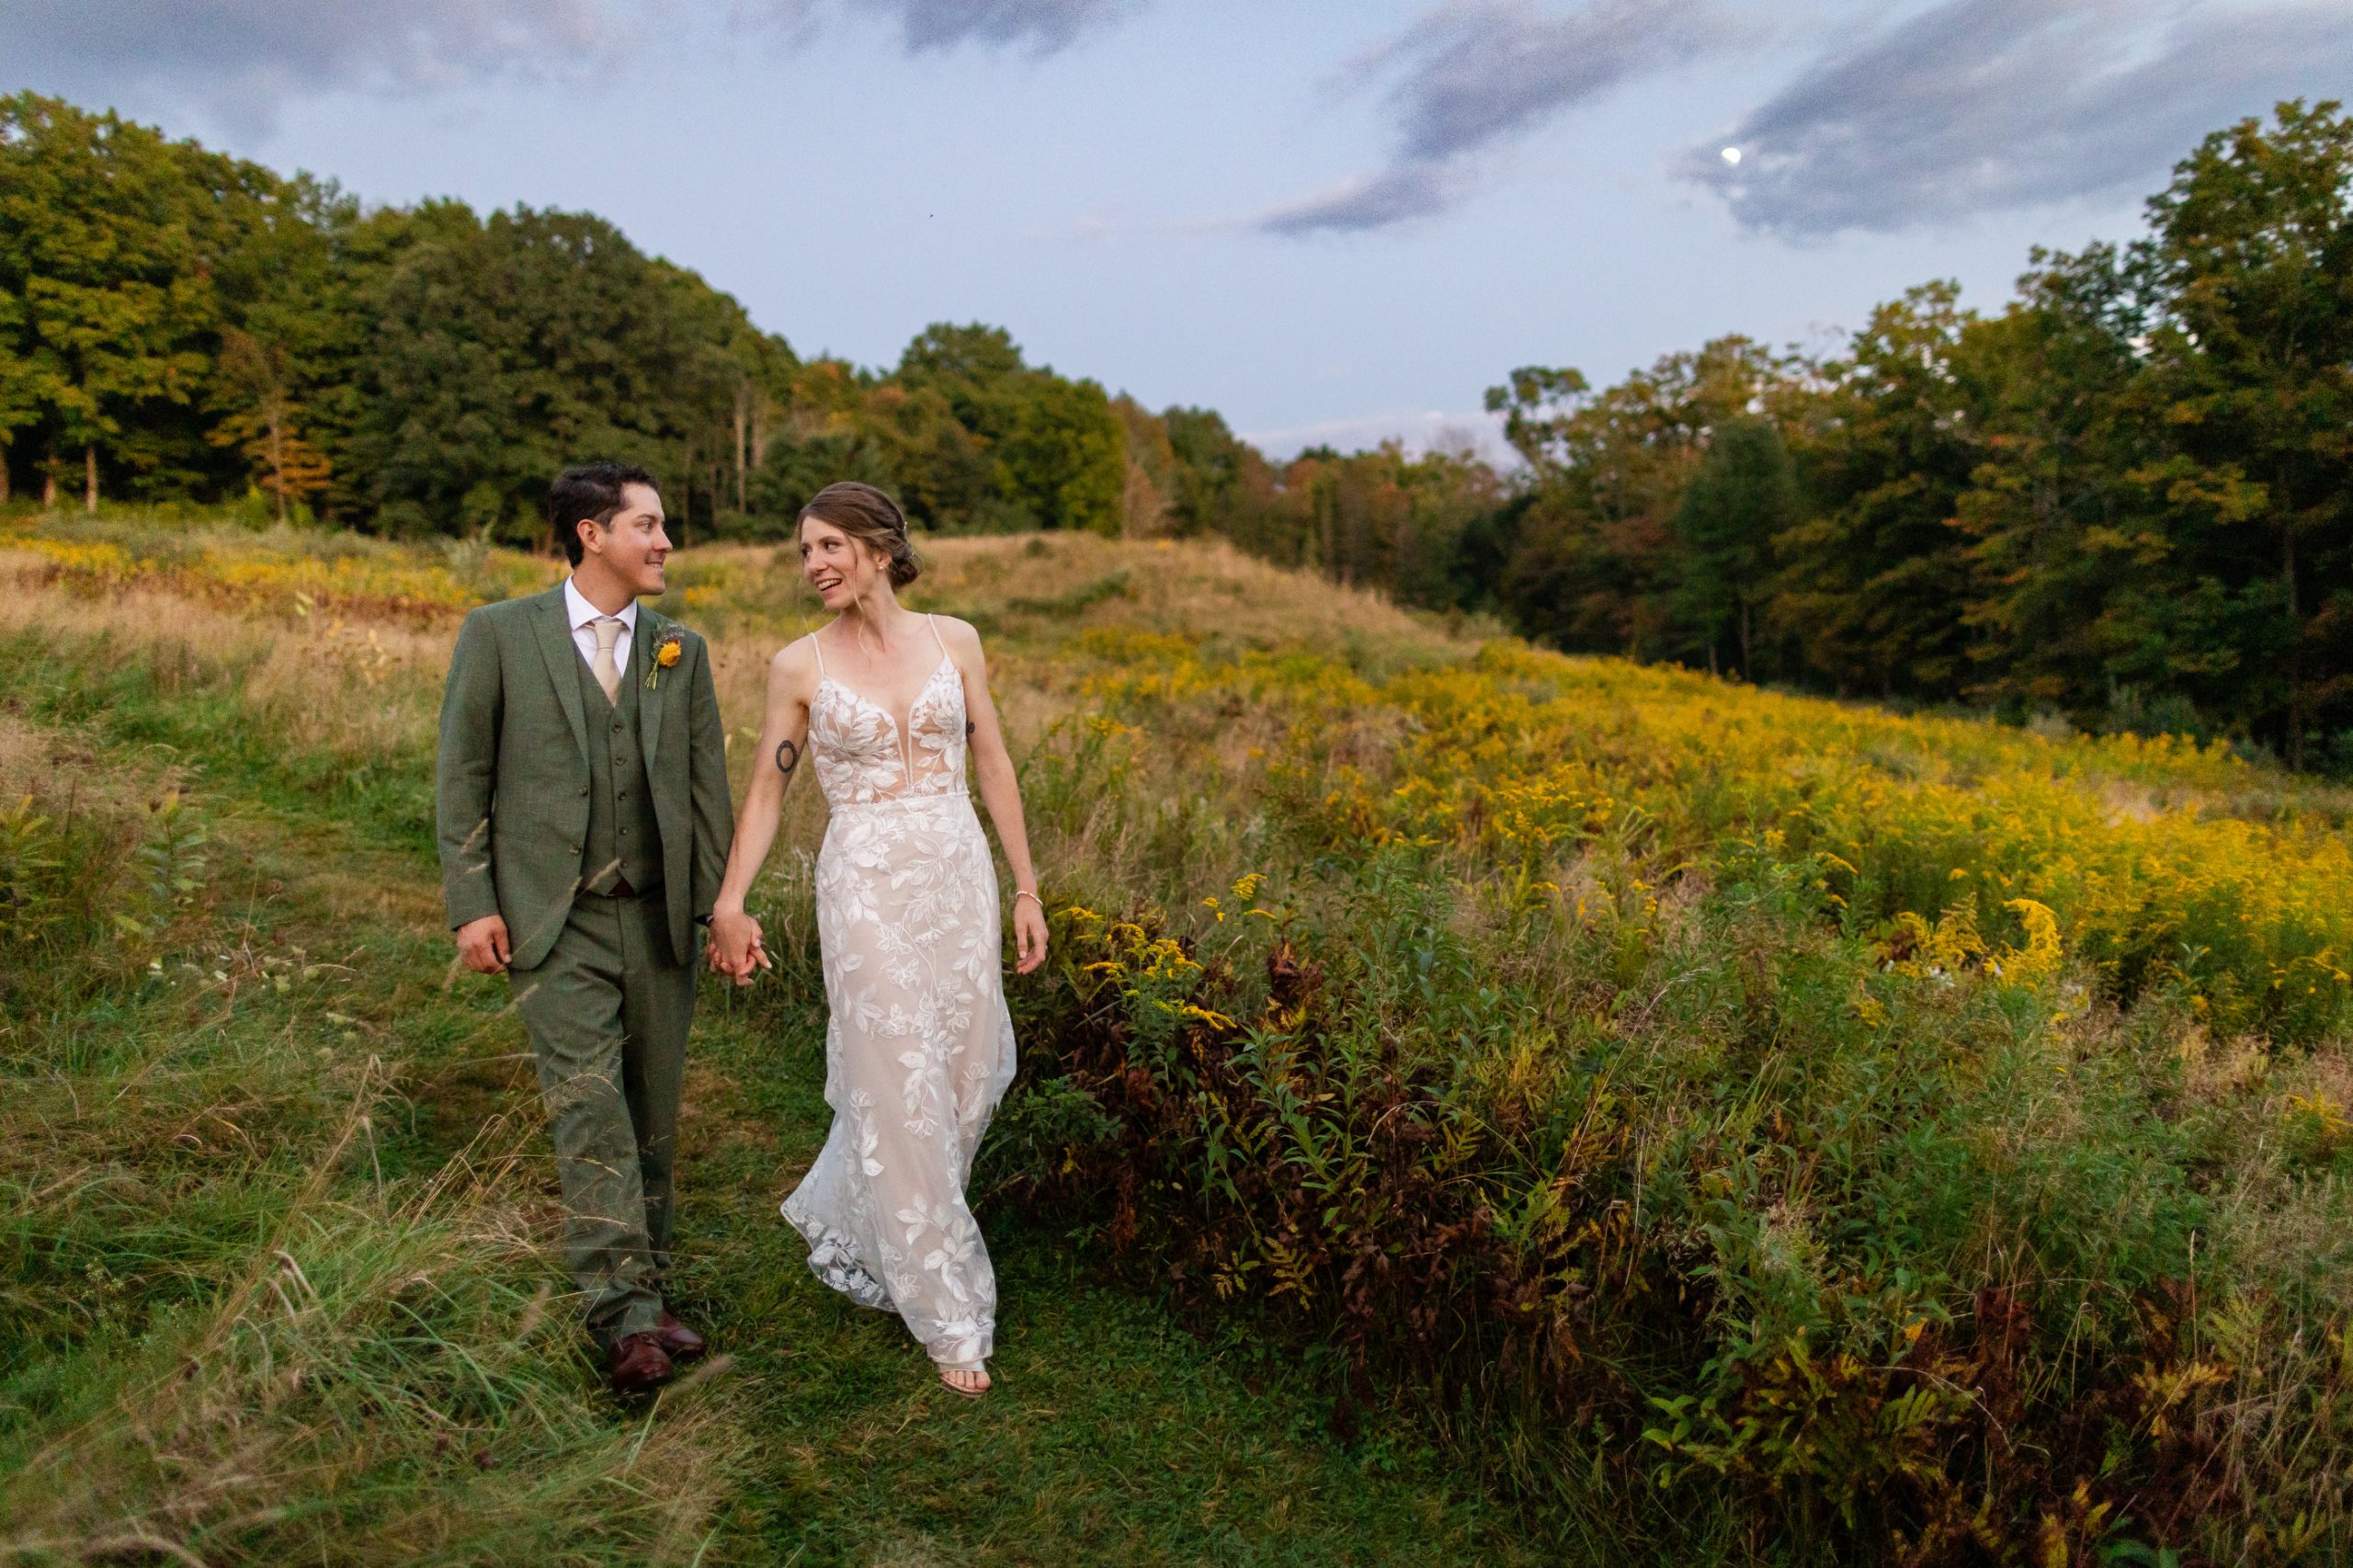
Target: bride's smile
[(834, 566)]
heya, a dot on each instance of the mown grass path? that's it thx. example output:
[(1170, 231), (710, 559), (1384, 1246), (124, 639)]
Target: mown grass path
[(1114, 1436)]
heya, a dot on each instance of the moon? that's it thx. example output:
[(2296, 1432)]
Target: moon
[(1732, 155)]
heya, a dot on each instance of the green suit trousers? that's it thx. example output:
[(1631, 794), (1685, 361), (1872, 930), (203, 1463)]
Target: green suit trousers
[(611, 1056)]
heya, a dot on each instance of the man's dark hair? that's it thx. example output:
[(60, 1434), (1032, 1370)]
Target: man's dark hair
[(590, 490)]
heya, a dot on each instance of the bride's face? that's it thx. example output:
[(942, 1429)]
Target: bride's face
[(842, 570)]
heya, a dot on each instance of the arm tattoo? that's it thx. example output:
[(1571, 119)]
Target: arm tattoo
[(788, 757), (967, 731)]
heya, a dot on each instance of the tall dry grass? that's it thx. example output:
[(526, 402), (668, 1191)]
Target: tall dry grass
[(265, 1356), (249, 1312), (1452, 1017)]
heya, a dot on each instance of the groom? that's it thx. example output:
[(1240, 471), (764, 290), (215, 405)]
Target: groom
[(583, 814)]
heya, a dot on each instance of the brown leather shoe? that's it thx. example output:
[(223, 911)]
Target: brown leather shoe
[(678, 1342), (639, 1364)]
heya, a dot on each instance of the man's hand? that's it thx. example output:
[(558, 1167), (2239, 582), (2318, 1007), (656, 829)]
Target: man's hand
[(736, 950), (482, 945)]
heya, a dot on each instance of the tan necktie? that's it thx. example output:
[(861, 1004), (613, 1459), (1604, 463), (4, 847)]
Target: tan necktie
[(608, 673)]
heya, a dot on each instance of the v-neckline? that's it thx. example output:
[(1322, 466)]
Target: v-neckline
[(898, 730)]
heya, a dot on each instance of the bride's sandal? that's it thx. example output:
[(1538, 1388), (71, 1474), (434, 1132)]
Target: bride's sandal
[(971, 1381)]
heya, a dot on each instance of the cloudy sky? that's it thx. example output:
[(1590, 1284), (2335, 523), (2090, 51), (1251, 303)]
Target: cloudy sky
[(1329, 221)]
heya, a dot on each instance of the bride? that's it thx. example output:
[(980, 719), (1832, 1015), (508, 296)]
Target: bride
[(883, 702)]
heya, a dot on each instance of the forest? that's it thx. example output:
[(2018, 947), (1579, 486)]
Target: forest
[(2120, 503)]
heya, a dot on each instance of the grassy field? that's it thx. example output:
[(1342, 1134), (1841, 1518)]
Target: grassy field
[(1486, 1106)]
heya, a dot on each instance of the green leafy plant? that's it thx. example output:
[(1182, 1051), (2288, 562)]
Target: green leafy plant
[(28, 857), (172, 865)]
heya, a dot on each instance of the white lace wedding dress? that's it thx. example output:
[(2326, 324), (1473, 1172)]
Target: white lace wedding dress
[(919, 1049)]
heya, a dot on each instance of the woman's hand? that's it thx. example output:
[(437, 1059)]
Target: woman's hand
[(736, 947), (1028, 934)]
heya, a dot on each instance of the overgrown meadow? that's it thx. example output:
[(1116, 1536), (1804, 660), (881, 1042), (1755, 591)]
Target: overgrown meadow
[(1568, 1109)]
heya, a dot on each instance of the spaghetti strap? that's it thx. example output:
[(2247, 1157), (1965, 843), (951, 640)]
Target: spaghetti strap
[(820, 656), (933, 622), (919, 1042)]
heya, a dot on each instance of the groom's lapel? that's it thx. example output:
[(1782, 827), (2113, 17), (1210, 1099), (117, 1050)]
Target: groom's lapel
[(554, 631), (651, 629)]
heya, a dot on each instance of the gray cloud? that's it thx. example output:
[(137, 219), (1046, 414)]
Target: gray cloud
[(1045, 26), (1980, 105), (1476, 74), (1398, 195), (239, 61), (241, 58)]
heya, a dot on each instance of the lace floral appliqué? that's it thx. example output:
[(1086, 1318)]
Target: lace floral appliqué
[(919, 1048)]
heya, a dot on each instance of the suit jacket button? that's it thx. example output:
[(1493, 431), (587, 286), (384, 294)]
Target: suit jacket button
[(584, 791)]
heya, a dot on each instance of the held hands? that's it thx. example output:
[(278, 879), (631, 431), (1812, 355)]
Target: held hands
[(736, 950), (483, 946)]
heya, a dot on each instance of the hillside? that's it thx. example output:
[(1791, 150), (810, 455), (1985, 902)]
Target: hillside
[(1487, 1102)]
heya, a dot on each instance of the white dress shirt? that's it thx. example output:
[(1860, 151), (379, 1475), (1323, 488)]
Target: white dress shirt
[(584, 628)]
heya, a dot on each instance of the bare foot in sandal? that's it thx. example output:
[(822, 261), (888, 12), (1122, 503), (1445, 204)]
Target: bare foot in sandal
[(970, 1381)]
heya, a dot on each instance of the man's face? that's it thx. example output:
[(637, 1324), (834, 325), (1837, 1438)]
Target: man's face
[(635, 546)]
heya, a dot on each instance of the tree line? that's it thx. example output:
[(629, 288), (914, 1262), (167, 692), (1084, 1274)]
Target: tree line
[(2122, 498), (2125, 498), (179, 325)]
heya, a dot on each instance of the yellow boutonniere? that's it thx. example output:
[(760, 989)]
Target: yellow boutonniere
[(666, 653)]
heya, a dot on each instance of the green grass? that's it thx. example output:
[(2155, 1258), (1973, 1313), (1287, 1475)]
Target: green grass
[(1113, 1435), (274, 1287), (1633, 1193)]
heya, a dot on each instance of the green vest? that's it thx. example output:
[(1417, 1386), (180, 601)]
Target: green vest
[(624, 839)]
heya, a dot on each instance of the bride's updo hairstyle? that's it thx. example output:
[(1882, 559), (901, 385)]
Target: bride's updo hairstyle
[(871, 518)]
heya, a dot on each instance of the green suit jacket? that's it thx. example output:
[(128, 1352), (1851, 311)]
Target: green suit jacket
[(511, 788)]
